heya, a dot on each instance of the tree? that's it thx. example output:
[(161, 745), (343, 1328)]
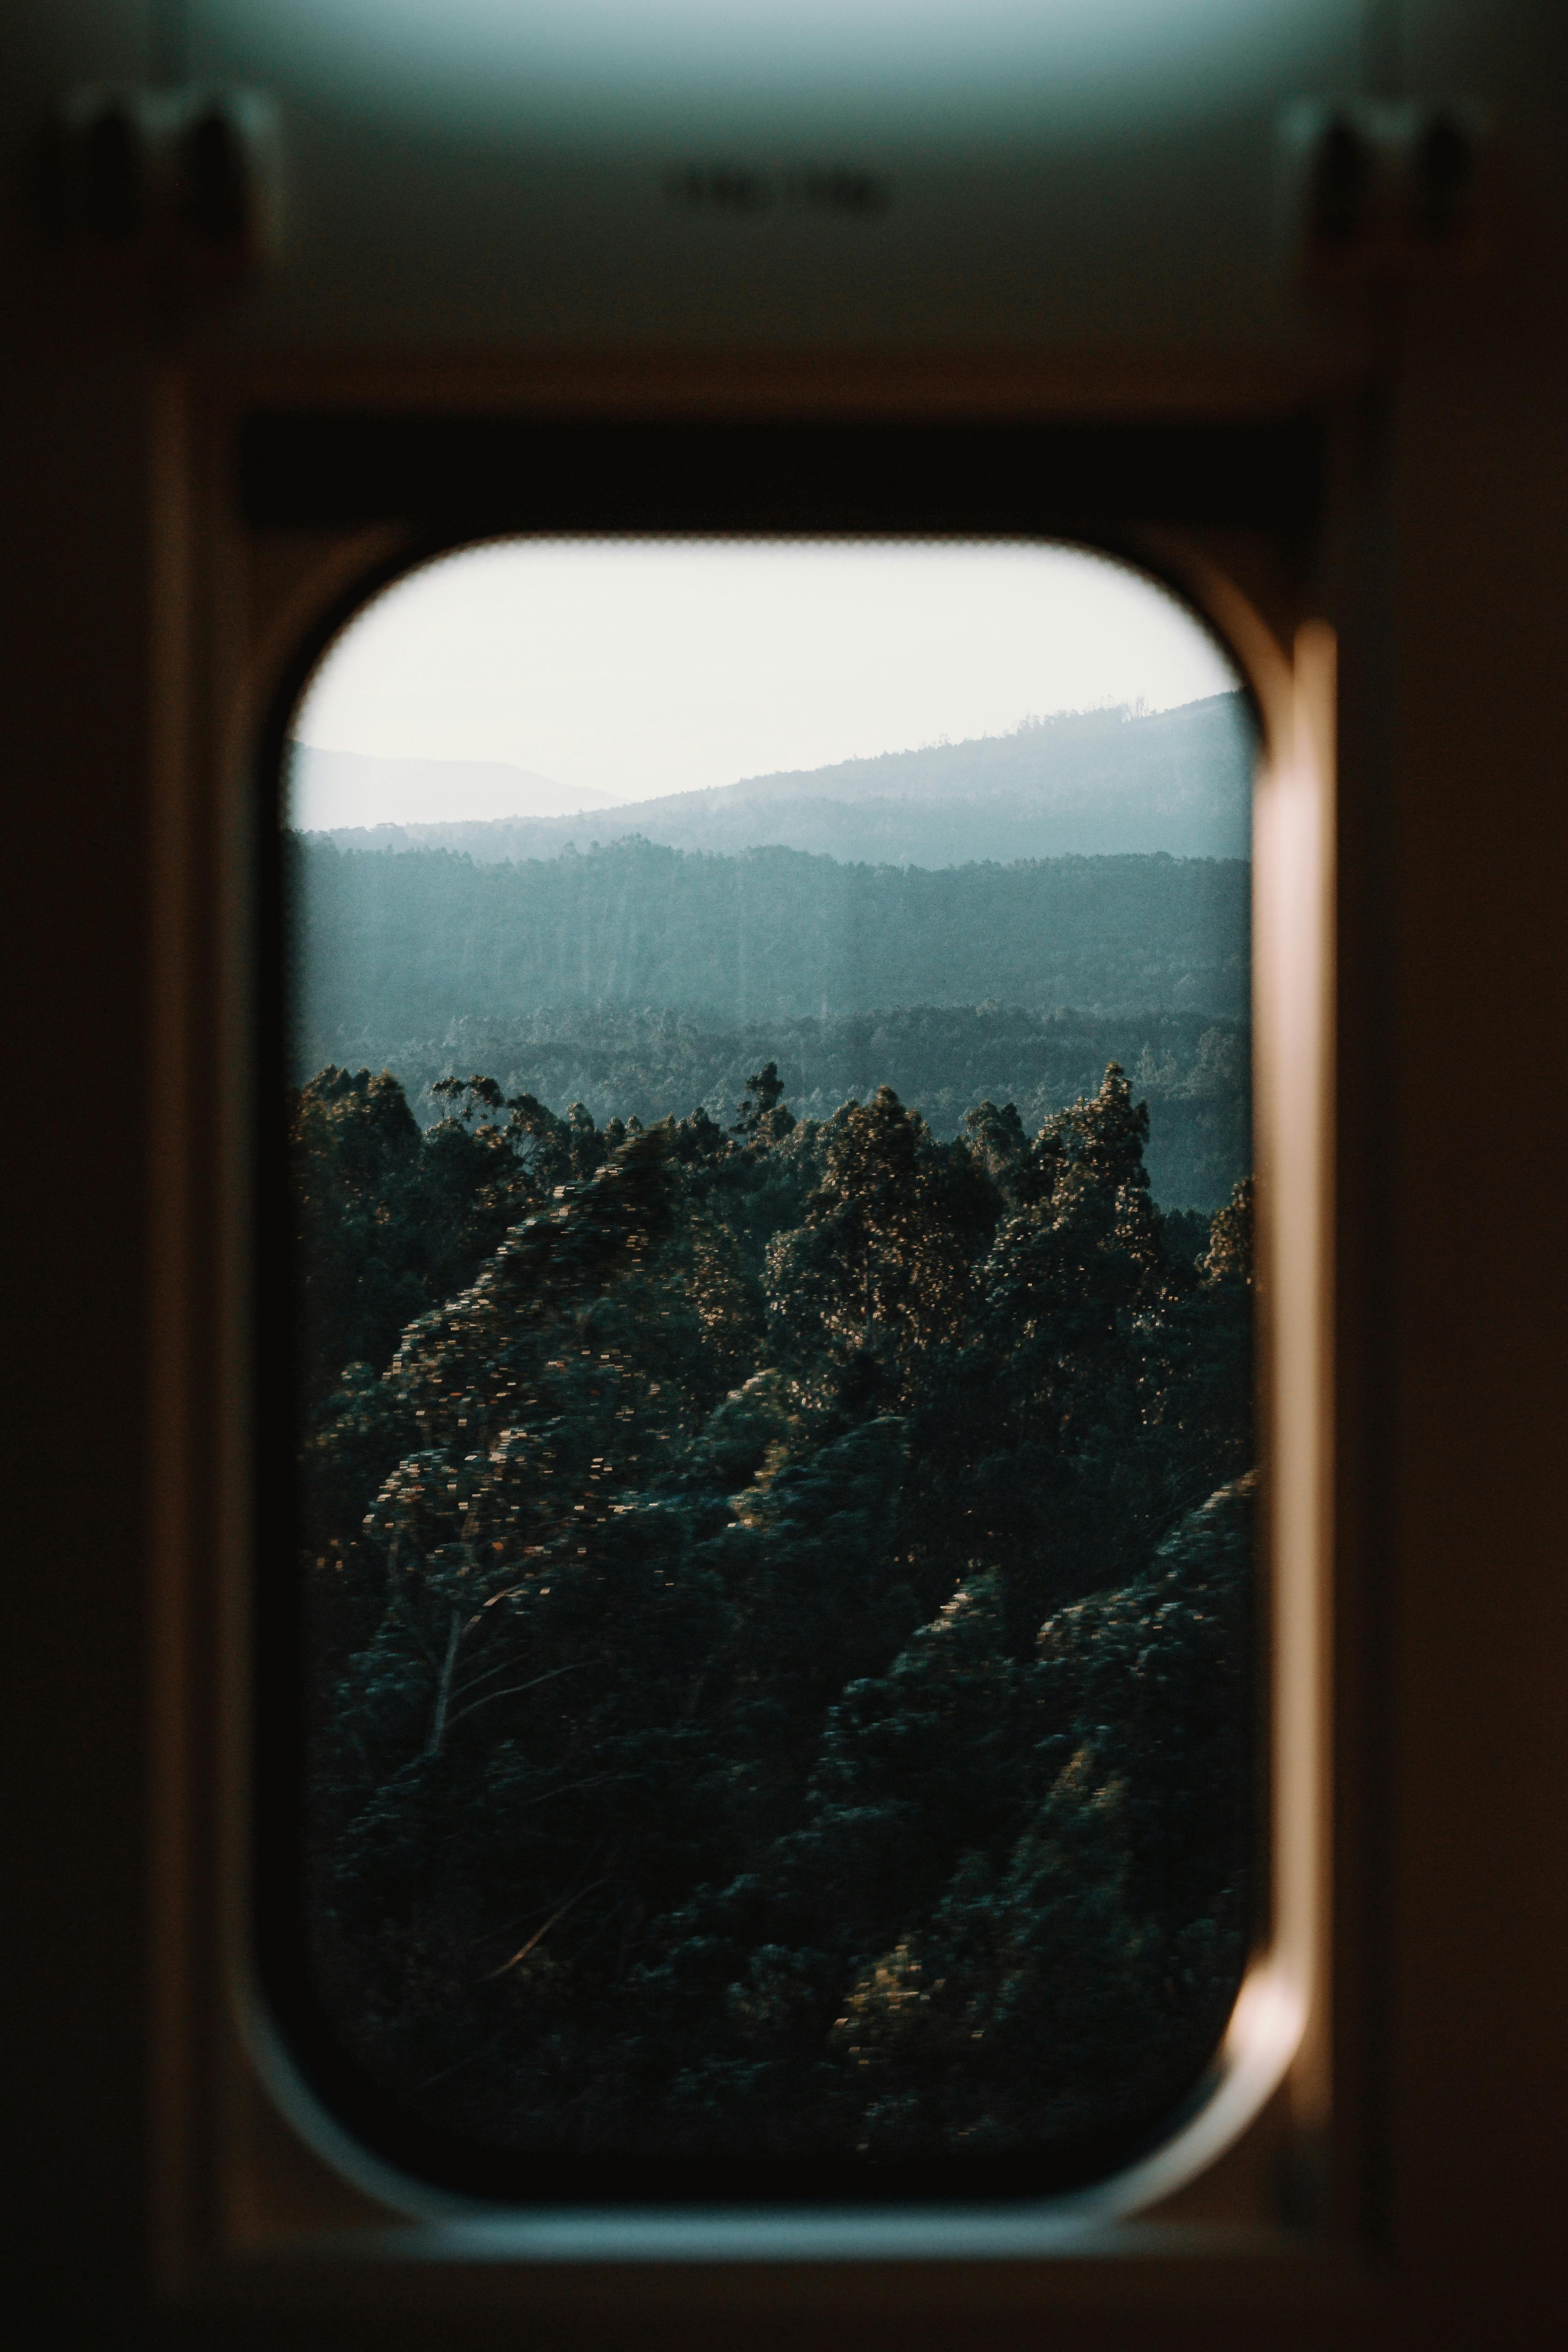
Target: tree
[(772, 1688), (389, 1222), (886, 1247), (764, 1116), (1076, 1970)]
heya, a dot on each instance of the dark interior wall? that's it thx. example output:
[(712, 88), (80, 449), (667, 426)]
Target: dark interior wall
[(1479, 863), (77, 1479)]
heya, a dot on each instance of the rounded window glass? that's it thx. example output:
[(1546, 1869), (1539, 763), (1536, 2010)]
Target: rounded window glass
[(769, 1319)]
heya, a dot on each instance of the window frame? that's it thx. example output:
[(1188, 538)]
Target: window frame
[(1237, 541)]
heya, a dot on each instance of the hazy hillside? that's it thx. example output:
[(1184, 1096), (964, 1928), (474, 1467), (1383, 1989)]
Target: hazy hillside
[(410, 944), (1093, 784), (653, 969), (360, 793)]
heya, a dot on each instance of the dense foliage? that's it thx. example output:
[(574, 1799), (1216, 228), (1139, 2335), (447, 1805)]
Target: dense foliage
[(780, 1658), (1191, 1070)]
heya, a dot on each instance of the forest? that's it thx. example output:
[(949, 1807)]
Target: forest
[(629, 1062), (407, 943), (643, 980), (780, 1607)]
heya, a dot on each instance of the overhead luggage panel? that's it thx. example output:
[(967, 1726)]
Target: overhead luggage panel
[(881, 173)]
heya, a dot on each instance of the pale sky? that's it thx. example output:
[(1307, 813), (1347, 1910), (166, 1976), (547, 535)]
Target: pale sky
[(641, 667)]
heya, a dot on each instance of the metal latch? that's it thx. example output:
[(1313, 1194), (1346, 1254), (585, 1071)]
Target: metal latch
[(1379, 190), (183, 186)]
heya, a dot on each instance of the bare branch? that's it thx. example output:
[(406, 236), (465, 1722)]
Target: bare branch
[(515, 1689), (540, 1933)]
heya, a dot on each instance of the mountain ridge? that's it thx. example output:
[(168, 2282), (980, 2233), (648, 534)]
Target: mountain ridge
[(392, 782), (1097, 783)]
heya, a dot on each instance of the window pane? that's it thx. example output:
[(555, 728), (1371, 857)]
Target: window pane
[(769, 1151)]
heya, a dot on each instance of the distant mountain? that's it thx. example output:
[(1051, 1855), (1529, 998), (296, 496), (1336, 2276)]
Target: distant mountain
[(357, 791), (1097, 783)]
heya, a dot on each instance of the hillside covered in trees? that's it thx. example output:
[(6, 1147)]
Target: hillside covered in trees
[(780, 1603), (405, 945), (645, 982)]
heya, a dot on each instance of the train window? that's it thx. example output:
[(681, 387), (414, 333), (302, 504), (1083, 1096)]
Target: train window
[(762, 1698)]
